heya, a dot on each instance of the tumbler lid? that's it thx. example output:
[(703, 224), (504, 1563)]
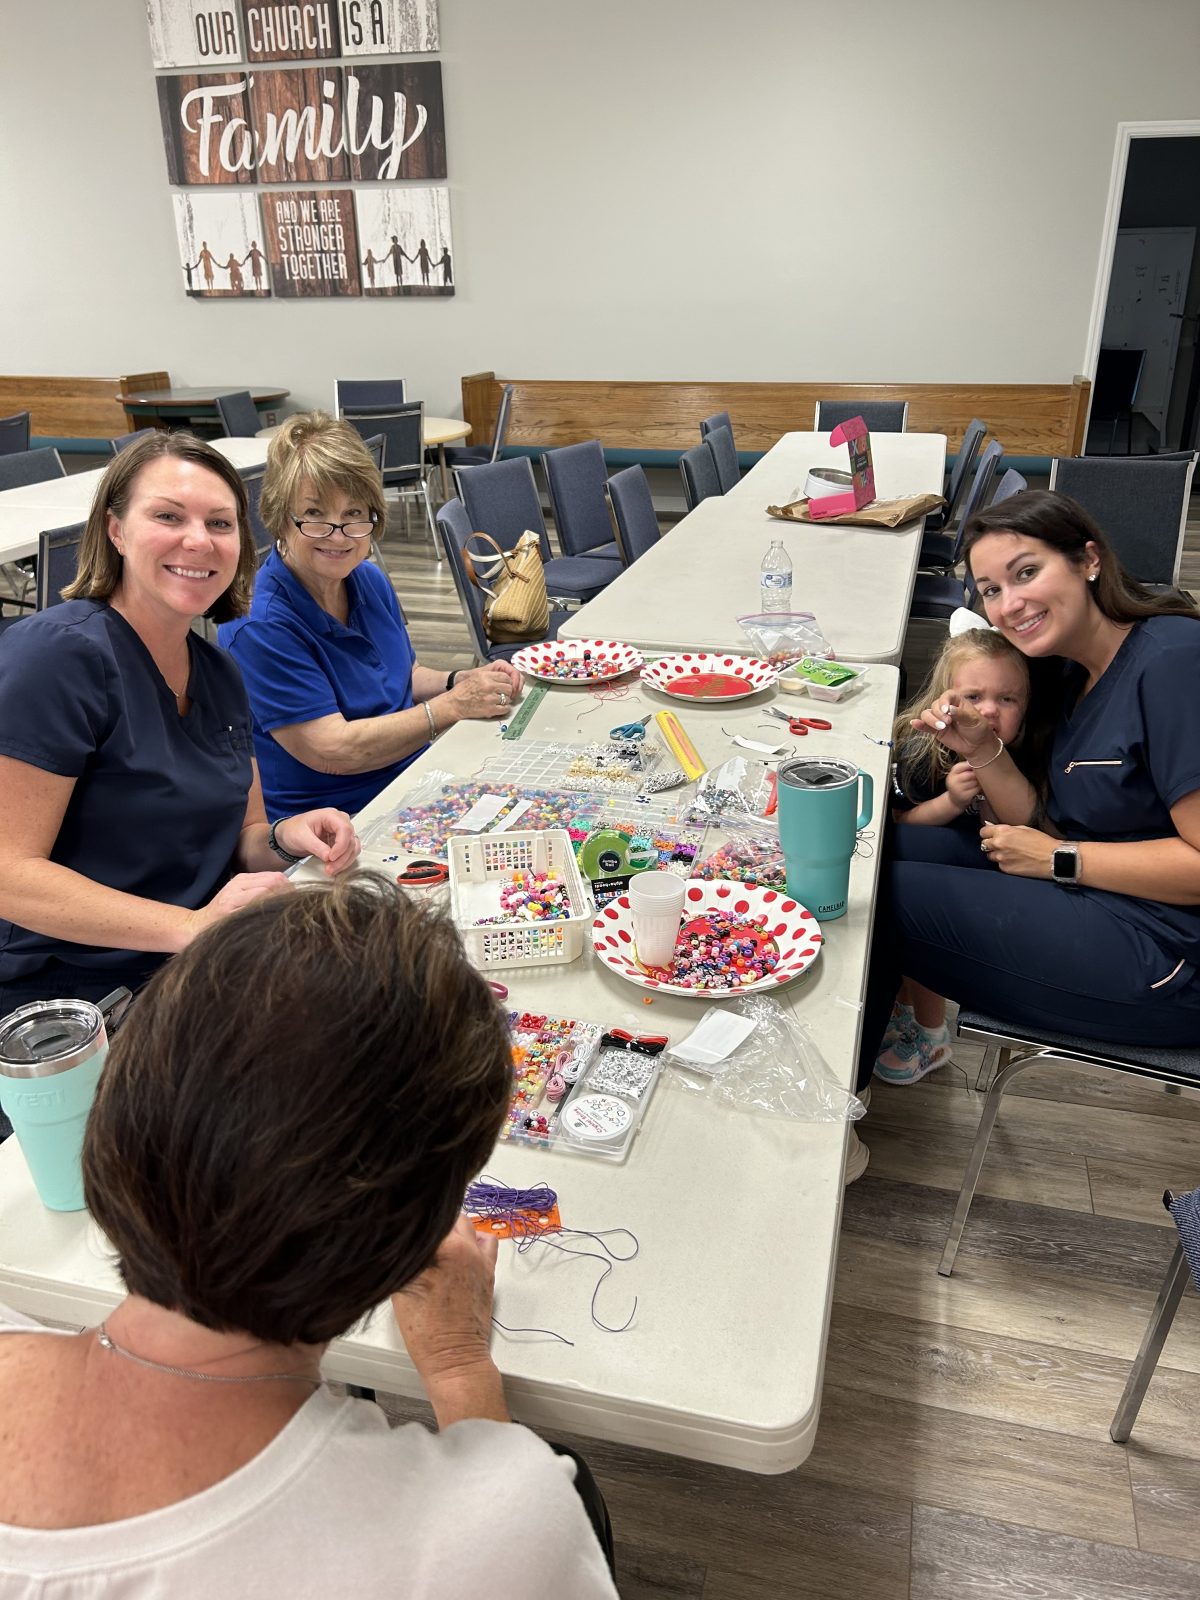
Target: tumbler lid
[(48, 1037), (815, 772)]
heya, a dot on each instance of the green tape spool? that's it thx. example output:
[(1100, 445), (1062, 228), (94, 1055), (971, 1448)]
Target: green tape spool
[(605, 854)]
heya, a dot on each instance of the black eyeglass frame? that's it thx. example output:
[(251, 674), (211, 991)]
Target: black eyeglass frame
[(301, 523)]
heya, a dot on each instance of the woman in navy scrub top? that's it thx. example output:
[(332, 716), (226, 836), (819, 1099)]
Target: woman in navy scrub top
[(131, 816), (341, 706), (1085, 919)]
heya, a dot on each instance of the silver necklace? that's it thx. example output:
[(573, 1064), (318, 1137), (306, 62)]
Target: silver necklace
[(107, 1342)]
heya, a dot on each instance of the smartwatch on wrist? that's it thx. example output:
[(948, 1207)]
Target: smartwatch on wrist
[(1065, 864), (274, 844), (450, 677)]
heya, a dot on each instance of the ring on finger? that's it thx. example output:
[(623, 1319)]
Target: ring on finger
[(983, 845)]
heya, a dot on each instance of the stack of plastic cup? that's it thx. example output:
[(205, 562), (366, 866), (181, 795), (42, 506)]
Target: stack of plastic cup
[(656, 906)]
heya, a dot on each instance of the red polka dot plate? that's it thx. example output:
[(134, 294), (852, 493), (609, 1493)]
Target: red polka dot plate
[(577, 660), (704, 675), (796, 932)]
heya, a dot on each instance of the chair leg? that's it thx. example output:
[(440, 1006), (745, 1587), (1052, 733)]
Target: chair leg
[(994, 1056), (432, 521), (1155, 1336), (987, 1122)]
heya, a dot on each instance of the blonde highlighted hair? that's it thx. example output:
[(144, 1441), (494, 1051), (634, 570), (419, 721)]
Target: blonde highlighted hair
[(329, 456), (926, 760), (99, 568)]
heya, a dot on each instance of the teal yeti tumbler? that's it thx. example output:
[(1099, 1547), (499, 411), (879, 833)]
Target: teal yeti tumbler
[(51, 1053), (820, 813)]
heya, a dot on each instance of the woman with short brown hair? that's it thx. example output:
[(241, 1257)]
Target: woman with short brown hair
[(284, 1130)]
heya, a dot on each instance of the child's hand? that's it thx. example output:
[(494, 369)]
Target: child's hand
[(962, 785), (955, 724)]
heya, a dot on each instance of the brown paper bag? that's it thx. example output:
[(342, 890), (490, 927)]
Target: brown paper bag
[(878, 514)]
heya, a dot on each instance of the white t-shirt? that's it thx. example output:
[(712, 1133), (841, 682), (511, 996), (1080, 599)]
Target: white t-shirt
[(339, 1504)]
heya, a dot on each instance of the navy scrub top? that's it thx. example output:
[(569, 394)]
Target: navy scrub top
[(159, 800), (300, 663), (1126, 753)]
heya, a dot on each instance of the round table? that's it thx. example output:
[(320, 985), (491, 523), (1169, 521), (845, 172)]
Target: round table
[(438, 432)]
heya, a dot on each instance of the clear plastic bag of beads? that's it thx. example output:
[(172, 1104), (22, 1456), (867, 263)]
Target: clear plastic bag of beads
[(749, 855), (777, 1069), (735, 794)]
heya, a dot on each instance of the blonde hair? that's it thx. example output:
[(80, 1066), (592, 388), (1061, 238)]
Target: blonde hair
[(926, 759), (99, 569), (330, 455)]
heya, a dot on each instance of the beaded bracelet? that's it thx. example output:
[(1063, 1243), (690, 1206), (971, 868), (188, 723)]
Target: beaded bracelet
[(990, 759), (433, 729)]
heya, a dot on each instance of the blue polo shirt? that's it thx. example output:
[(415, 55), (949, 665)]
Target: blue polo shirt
[(158, 801), (299, 663)]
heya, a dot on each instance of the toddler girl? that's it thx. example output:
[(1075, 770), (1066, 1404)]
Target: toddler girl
[(935, 788)]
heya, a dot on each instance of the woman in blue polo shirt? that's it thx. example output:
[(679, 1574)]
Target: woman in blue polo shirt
[(1091, 925), (340, 704), (130, 811)]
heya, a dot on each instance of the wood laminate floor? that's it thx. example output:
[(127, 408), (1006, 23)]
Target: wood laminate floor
[(963, 1452)]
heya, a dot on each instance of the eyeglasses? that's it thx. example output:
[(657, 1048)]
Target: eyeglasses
[(326, 530)]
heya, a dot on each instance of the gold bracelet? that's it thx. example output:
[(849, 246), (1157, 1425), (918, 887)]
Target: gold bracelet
[(990, 759), (433, 728)]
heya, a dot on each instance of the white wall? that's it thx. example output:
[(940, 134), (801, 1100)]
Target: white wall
[(631, 186)]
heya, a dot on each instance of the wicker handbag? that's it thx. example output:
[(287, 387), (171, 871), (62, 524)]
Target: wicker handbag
[(514, 582)]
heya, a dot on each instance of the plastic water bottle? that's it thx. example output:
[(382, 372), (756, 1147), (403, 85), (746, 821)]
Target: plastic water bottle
[(777, 578)]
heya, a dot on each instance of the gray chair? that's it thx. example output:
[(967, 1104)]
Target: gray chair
[(239, 415), (366, 392), (263, 542), (1115, 391), (124, 440), (1184, 1264), (30, 466), (937, 541), (633, 512), (456, 529), (937, 594), (1011, 1049), (719, 419), (402, 428), (880, 416), (475, 455), (701, 479), (575, 478), (724, 452), (501, 498), (14, 433), (1140, 502), (57, 562)]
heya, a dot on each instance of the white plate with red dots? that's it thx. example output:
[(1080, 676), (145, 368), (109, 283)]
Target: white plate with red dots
[(577, 660), (702, 675), (790, 927)]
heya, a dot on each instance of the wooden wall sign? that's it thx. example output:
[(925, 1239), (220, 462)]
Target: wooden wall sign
[(296, 115), (312, 242), (395, 121), (388, 27), (404, 238), (206, 129), (306, 32), (219, 245)]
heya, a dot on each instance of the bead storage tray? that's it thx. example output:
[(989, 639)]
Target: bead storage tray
[(481, 865), (605, 767), (424, 823), (572, 1095)]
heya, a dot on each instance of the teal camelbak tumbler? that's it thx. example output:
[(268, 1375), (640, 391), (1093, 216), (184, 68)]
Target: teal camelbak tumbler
[(820, 813), (51, 1053)]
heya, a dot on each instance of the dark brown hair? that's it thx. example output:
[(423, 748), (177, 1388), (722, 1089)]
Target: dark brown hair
[(1065, 526), (288, 1119), (99, 570)]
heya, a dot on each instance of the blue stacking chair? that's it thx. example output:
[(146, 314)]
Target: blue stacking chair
[(477, 455), (1184, 1266), (455, 523), (57, 562), (14, 433), (575, 477), (633, 512), (25, 467), (724, 453), (937, 594), (701, 480), (501, 498), (937, 542), (1141, 502), (367, 392), (880, 416)]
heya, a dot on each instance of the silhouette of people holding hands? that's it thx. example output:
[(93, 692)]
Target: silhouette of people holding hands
[(423, 260), (371, 261), (396, 255), (443, 261), (233, 266), (256, 259), (207, 261)]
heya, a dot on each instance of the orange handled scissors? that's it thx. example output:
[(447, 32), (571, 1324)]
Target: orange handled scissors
[(798, 725)]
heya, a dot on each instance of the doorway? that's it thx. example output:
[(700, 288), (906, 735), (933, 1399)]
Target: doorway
[(1148, 295)]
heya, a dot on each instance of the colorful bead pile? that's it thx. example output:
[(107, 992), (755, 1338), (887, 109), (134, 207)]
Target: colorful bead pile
[(747, 859), (579, 668), (532, 897), (423, 830), (718, 951)]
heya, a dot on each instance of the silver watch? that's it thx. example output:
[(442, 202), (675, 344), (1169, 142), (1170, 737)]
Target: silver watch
[(1065, 864)]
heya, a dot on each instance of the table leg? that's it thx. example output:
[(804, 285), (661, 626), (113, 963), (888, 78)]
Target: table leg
[(445, 476)]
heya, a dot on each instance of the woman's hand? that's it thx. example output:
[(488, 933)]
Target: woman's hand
[(955, 724), (486, 692), (1023, 852), (238, 892), (445, 1315), (962, 785), (326, 834)]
